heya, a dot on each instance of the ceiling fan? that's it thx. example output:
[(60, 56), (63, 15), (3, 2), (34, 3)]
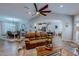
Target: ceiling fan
[(41, 11)]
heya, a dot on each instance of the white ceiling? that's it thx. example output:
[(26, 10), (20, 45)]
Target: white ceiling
[(68, 9), (17, 9)]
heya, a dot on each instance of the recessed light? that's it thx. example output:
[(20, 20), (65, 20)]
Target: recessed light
[(29, 12), (61, 6)]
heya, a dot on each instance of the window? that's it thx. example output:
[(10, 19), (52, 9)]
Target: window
[(9, 27)]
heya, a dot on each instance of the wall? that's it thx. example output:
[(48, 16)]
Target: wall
[(0, 28), (25, 23), (64, 19), (76, 20)]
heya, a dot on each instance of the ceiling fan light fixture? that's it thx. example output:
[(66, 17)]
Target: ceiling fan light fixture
[(61, 6), (42, 10), (37, 13)]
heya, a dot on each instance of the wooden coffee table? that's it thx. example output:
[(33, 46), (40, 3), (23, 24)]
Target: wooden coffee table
[(44, 51)]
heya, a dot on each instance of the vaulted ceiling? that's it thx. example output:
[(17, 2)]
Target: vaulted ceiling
[(26, 10)]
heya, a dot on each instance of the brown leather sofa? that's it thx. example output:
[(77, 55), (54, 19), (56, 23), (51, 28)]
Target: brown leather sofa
[(35, 39)]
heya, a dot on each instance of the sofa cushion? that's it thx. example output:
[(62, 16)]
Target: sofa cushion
[(30, 35), (43, 34), (37, 41), (31, 39), (37, 38), (43, 37), (37, 34)]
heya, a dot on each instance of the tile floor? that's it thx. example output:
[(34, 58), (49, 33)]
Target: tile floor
[(11, 49), (8, 48)]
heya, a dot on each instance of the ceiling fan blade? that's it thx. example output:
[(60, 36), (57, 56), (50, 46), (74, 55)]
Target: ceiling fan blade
[(35, 7), (43, 14), (46, 11), (46, 6)]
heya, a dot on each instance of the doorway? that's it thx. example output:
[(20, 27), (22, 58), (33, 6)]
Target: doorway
[(77, 32)]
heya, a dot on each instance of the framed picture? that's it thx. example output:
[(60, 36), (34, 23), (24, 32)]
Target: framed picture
[(43, 26)]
